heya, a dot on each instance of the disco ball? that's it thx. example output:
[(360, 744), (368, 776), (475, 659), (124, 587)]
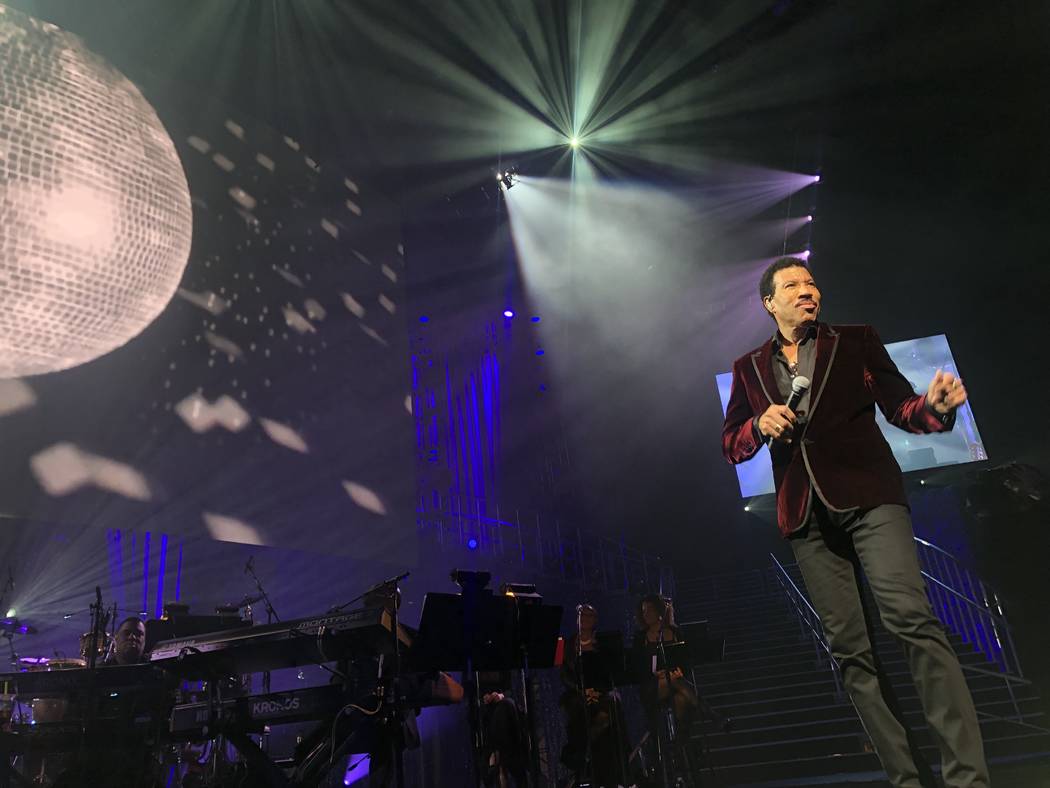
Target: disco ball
[(95, 215)]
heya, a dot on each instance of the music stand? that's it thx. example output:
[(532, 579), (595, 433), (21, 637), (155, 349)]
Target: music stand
[(444, 642), (479, 631), (702, 646), (537, 635)]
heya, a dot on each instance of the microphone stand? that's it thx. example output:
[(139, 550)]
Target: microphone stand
[(9, 586), (399, 700), (271, 614), (98, 626), (670, 725), (581, 683), (392, 582)]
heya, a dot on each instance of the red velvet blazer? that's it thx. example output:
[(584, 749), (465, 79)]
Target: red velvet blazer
[(842, 453)]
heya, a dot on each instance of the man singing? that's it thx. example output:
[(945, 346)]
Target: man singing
[(841, 504)]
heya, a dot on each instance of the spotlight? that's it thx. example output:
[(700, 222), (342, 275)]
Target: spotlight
[(747, 508), (539, 352), (804, 254), (508, 313), (809, 218), (816, 179), (12, 613), (574, 142), (535, 318), (508, 178), (424, 319), (472, 543)]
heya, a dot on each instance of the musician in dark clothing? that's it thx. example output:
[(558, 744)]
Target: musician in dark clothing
[(506, 744), (124, 761), (129, 643), (593, 711), (377, 729), (663, 688), (655, 618)]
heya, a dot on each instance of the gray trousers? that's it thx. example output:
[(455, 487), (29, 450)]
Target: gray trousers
[(831, 549)]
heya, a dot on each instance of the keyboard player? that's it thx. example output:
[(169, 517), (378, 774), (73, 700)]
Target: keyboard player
[(127, 764), (129, 644), (383, 735)]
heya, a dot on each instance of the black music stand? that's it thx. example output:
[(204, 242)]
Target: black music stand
[(470, 632), (537, 641), (451, 631), (598, 671), (478, 631), (702, 646)]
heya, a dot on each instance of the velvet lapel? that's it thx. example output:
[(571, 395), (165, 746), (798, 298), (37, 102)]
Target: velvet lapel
[(762, 361), (827, 346)]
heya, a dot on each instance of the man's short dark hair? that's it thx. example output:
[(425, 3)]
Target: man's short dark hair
[(136, 619), (765, 284)]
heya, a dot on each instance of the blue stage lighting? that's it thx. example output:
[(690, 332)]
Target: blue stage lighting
[(472, 543), (508, 313)]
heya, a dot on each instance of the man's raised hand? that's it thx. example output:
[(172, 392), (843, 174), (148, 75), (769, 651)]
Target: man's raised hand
[(946, 393)]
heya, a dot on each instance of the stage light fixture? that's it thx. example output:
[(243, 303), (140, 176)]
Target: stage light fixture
[(12, 613), (508, 313), (809, 218), (804, 254), (472, 543), (574, 142), (816, 179), (508, 178)]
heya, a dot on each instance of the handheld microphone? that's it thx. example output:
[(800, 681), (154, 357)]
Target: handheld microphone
[(799, 386)]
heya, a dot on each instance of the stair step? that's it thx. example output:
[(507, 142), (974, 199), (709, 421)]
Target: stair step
[(845, 723), (1030, 709), (790, 727)]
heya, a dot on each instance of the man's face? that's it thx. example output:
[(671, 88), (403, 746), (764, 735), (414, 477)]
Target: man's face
[(796, 299), (130, 642)]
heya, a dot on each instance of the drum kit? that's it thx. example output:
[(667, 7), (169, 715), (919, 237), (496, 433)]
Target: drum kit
[(39, 710)]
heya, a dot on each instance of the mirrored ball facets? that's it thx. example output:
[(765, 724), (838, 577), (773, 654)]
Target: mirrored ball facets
[(95, 214)]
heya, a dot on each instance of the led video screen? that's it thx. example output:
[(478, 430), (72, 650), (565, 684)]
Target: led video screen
[(918, 360)]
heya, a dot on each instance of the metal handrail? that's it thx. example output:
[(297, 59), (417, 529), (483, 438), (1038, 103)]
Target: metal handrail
[(810, 622), (960, 596), (968, 607), (996, 616)]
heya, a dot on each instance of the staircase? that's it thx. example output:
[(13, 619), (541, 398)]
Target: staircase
[(793, 725)]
